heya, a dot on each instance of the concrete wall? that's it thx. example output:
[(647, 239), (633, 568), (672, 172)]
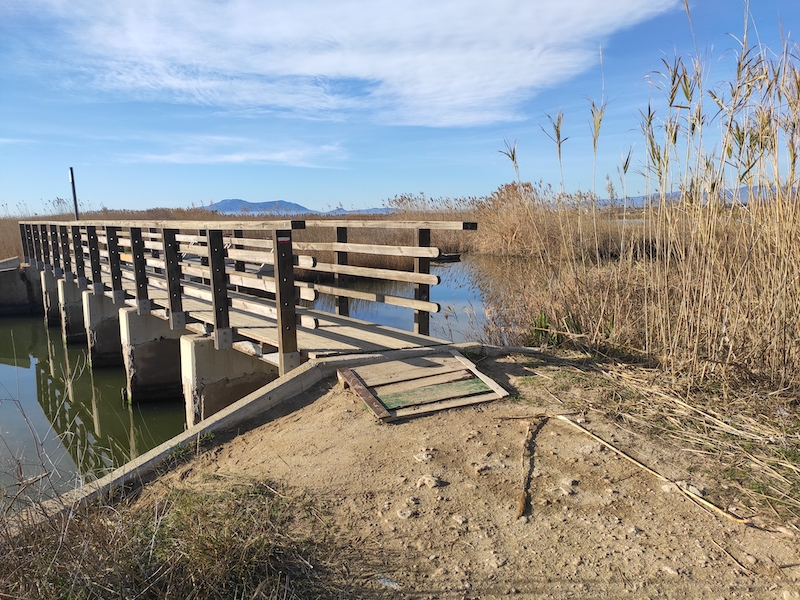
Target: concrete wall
[(214, 379), (20, 291)]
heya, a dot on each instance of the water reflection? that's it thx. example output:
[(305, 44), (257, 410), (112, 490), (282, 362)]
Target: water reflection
[(461, 316), (61, 422)]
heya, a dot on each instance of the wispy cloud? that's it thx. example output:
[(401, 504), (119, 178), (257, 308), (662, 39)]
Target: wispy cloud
[(210, 150), (456, 63)]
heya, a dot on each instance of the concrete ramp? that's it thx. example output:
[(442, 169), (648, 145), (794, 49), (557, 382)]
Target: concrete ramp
[(9, 264)]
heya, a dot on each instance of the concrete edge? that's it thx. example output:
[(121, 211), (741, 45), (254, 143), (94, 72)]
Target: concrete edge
[(284, 388)]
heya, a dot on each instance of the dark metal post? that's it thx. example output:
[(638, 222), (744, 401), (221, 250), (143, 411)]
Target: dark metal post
[(26, 254), (342, 302), (74, 195), (37, 245), (288, 356), (177, 318), (139, 271), (112, 242), (56, 254), (422, 291), (94, 260), (77, 248), (63, 235), (45, 247), (223, 334)]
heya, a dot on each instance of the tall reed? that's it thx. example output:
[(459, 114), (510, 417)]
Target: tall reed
[(706, 275)]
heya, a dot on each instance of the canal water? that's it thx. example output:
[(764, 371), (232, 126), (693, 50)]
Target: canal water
[(63, 423)]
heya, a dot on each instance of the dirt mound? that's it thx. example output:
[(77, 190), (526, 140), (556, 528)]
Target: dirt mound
[(432, 503)]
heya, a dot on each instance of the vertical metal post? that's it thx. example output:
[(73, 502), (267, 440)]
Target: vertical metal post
[(37, 246), (288, 356), (74, 195), (422, 291), (77, 248), (54, 241), (223, 334), (177, 318), (342, 302), (30, 246), (45, 247), (112, 243), (24, 241), (139, 271), (63, 235), (94, 260)]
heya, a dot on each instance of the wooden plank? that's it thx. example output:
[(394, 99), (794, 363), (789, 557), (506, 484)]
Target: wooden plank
[(425, 409), (381, 250), (434, 393), (252, 225), (390, 224), (355, 383), (268, 258), (486, 379), (259, 308), (428, 380), (388, 274), (404, 372), (375, 297)]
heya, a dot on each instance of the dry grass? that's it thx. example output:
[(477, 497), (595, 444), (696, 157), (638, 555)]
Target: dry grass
[(224, 538)]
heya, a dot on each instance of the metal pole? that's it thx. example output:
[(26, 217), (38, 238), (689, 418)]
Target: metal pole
[(74, 195)]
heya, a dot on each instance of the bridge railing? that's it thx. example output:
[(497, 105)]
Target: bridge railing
[(236, 264)]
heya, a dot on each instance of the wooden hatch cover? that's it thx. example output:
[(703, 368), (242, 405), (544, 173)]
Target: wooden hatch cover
[(411, 387)]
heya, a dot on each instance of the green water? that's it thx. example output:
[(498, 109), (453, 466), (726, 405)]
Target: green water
[(62, 423)]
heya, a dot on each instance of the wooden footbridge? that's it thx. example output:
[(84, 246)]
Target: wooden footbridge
[(249, 283)]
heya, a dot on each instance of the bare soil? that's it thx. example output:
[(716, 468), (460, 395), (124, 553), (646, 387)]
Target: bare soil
[(428, 507)]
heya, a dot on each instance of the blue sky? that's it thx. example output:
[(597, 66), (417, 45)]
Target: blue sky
[(180, 103)]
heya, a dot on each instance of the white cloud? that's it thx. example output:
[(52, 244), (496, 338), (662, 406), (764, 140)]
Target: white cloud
[(421, 62), (215, 150)]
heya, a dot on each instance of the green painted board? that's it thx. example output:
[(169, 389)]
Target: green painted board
[(434, 393)]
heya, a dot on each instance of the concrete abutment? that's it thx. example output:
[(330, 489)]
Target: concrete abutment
[(214, 379)]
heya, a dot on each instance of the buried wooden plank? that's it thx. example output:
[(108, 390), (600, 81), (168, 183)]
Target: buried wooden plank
[(424, 409), (429, 379), (487, 380), (401, 370), (349, 377), (434, 393)]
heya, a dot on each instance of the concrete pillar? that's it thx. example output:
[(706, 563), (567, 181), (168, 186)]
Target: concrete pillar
[(152, 355), (70, 303), (50, 296), (101, 319), (214, 379)]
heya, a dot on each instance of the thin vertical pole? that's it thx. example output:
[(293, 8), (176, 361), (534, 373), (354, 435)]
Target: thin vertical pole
[(74, 195)]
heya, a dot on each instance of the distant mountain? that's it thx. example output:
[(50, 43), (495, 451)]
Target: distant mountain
[(232, 206), (235, 206)]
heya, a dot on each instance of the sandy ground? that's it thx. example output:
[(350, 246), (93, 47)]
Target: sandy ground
[(433, 502)]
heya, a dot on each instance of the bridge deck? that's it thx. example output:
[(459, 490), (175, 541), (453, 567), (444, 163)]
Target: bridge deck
[(333, 334)]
